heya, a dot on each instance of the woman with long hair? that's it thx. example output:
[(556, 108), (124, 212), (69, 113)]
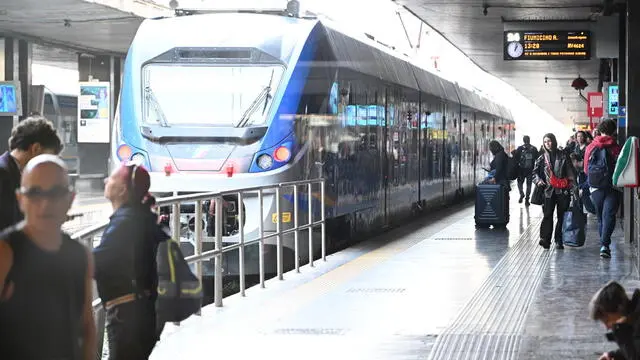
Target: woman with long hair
[(125, 264), (555, 173)]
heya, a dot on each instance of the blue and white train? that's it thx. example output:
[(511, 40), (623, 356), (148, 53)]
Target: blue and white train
[(212, 102)]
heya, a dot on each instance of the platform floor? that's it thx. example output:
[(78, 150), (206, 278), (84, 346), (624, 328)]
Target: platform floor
[(93, 207), (434, 289)]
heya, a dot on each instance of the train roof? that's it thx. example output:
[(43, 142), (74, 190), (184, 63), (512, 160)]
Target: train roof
[(281, 36)]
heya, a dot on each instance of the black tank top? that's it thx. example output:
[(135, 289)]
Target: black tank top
[(43, 318)]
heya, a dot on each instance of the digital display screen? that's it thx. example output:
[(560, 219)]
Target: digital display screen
[(613, 100), (8, 99), (547, 45)]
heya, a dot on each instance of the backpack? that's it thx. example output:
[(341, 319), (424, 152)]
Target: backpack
[(599, 173), (179, 290), (527, 157), (512, 168)]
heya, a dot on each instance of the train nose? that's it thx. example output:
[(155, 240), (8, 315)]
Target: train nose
[(193, 157)]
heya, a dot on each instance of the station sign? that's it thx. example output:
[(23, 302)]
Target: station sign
[(547, 45), (613, 100), (595, 106)]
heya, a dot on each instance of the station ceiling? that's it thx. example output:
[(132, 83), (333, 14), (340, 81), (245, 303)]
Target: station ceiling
[(100, 26), (480, 36)]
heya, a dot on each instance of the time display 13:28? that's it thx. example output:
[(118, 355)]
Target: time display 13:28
[(547, 45)]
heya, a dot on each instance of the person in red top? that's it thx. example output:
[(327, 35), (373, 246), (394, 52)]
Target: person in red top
[(606, 200)]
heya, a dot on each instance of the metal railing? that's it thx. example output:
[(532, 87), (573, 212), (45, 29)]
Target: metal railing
[(87, 236)]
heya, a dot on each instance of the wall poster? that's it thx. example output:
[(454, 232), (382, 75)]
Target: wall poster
[(94, 104)]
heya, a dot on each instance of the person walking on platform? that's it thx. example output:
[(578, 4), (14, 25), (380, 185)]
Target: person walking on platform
[(31, 137), (554, 171), (526, 156), (621, 316), (600, 161), (126, 269), (46, 286)]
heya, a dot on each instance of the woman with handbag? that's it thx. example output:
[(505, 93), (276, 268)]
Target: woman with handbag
[(554, 175)]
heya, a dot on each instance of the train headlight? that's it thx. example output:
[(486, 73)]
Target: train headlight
[(282, 154), (265, 162), (137, 159)]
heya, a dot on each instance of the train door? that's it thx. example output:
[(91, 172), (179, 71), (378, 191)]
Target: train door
[(451, 137), (442, 144), (386, 163), (475, 149)]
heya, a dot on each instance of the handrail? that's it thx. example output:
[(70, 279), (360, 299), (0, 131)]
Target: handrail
[(219, 250), (171, 200)]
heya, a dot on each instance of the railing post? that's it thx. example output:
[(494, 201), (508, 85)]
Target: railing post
[(261, 242), (310, 229), (217, 289), (241, 249), (198, 249), (176, 220), (322, 218), (296, 248), (279, 236)]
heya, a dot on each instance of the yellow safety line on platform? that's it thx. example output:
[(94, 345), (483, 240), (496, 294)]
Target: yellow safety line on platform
[(293, 300)]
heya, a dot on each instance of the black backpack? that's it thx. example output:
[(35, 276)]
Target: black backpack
[(600, 169), (179, 291), (527, 157)]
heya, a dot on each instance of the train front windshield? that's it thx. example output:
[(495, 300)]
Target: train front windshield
[(201, 95)]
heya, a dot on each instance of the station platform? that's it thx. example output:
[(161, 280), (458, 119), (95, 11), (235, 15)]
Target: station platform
[(434, 289)]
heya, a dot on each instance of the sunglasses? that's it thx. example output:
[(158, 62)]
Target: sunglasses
[(56, 192)]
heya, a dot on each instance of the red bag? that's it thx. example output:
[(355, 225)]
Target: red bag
[(554, 181)]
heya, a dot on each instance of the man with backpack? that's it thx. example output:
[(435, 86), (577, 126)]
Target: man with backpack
[(526, 156), (599, 163), (141, 276)]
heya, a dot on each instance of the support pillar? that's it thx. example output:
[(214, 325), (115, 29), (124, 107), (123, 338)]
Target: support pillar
[(94, 156), (17, 57), (631, 59), (25, 58)]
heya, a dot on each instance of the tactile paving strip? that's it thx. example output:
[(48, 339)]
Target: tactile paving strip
[(490, 325)]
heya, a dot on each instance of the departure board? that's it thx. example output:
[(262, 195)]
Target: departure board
[(547, 45)]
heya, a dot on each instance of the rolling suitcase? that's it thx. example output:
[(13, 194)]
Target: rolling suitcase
[(492, 207)]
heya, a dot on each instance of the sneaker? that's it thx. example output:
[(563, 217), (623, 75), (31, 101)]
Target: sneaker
[(605, 252), (521, 198), (526, 202), (559, 247)]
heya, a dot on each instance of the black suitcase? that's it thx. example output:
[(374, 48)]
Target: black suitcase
[(492, 206)]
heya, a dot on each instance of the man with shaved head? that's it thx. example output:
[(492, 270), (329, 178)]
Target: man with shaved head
[(45, 276)]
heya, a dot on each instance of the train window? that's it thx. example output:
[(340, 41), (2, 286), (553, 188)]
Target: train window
[(234, 95), (49, 110), (68, 102)]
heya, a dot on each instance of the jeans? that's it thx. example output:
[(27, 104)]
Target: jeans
[(607, 202), (525, 175), (131, 330), (561, 203)]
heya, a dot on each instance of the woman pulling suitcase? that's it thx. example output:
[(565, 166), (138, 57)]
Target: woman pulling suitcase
[(499, 215)]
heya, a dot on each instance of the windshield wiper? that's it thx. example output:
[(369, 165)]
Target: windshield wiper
[(266, 94), (151, 98)]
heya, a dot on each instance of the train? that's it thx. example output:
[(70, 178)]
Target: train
[(62, 110), (219, 101)]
